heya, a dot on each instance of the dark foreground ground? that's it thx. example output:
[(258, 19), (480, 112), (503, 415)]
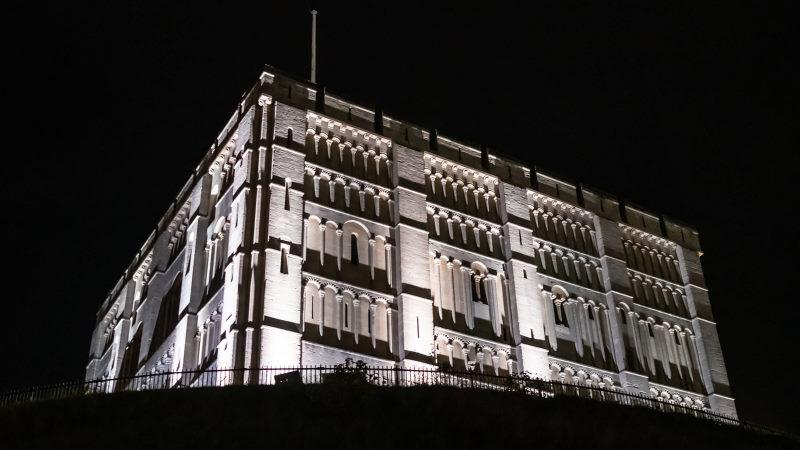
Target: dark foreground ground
[(321, 416)]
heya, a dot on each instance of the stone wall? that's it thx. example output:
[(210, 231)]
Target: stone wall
[(306, 237)]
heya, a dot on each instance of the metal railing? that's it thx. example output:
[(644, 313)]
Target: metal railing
[(357, 374)]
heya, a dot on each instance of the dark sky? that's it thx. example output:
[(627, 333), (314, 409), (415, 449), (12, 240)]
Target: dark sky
[(685, 110)]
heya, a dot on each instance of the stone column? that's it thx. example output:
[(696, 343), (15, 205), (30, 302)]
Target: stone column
[(489, 287), (264, 101), (451, 290), (321, 294), (305, 237), (388, 249), (322, 228), (372, 308), (201, 344), (436, 290), (356, 318), (390, 328), (339, 316), (469, 308), (450, 353), (347, 195), (371, 250), (339, 249)]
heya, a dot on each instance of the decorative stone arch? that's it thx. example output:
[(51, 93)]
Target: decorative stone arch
[(331, 238), (458, 346), (366, 321), (479, 268), (380, 326), (312, 304), (348, 312), (358, 246), (559, 292), (314, 234), (569, 374), (329, 309), (379, 252)]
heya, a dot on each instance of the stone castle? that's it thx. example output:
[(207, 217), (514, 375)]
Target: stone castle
[(314, 230)]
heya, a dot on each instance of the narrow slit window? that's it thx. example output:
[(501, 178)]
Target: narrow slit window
[(354, 249), (286, 204), (346, 316), (284, 262), (418, 326)]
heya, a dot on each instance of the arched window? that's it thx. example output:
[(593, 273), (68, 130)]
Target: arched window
[(559, 307), (479, 272), (354, 249)]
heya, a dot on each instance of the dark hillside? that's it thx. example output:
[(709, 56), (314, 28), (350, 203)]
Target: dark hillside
[(323, 416)]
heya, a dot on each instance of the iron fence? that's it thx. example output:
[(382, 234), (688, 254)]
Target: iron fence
[(359, 374)]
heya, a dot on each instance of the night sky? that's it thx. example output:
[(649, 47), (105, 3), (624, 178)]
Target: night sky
[(683, 110)]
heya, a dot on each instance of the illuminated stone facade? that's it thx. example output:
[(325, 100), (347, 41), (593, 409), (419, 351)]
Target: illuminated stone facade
[(315, 230)]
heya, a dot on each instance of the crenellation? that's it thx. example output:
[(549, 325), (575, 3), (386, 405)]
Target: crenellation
[(556, 188), (647, 222), (316, 230)]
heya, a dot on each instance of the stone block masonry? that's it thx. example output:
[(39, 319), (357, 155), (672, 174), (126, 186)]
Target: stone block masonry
[(316, 230)]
